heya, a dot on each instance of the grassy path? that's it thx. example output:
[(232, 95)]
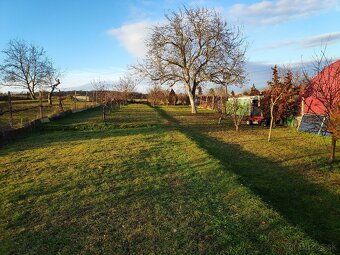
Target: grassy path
[(137, 184)]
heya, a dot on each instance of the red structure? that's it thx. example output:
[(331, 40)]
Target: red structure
[(325, 85)]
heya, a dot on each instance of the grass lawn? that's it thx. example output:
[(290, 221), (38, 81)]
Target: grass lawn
[(161, 181)]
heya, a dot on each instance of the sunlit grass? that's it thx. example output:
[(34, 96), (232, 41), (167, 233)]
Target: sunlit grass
[(147, 181)]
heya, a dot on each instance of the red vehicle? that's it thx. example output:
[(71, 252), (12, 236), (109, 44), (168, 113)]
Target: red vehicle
[(255, 120)]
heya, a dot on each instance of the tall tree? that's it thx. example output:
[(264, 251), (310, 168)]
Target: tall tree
[(280, 94), (194, 47), (24, 66), (254, 91), (172, 97)]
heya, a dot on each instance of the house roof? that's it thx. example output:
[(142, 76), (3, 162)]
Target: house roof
[(323, 87)]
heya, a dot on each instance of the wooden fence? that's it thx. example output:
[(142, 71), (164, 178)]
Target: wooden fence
[(21, 111)]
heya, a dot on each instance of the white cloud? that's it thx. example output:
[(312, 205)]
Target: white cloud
[(309, 42), (132, 37), (276, 11)]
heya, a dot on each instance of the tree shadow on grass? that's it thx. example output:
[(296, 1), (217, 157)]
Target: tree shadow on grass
[(305, 204)]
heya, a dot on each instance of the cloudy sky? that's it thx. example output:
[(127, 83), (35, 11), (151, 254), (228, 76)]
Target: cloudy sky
[(99, 39)]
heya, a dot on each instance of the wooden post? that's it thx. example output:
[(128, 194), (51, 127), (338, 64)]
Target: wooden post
[(104, 113), (271, 119), (333, 149), (96, 96), (86, 99), (40, 105), (10, 109), (75, 99)]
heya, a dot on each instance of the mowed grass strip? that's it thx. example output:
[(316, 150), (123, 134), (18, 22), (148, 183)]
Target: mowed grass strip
[(143, 189)]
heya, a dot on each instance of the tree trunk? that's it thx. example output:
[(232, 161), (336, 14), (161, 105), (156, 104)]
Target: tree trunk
[(333, 147), (192, 103), (271, 121), (49, 97), (60, 102), (104, 114), (32, 95), (191, 94)]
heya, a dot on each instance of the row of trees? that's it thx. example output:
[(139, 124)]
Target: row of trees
[(120, 91), (26, 66), (157, 95)]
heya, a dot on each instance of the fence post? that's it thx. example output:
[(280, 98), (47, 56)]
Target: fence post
[(86, 99), (10, 109), (104, 116), (40, 104), (75, 100)]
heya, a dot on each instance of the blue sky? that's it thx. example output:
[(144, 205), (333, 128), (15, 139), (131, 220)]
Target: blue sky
[(98, 39)]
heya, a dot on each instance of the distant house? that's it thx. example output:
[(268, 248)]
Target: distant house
[(313, 111)]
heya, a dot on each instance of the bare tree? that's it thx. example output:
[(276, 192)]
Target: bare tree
[(126, 86), (157, 95), (236, 110), (194, 47), (24, 66), (100, 90), (52, 80), (322, 95)]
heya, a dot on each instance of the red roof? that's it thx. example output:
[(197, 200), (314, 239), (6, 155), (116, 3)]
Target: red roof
[(326, 87)]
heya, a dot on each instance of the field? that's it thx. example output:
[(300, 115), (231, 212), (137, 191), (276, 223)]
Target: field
[(163, 181)]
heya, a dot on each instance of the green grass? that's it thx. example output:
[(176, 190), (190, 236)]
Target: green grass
[(161, 181)]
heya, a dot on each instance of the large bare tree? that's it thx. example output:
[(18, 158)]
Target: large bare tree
[(24, 66), (194, 47)]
